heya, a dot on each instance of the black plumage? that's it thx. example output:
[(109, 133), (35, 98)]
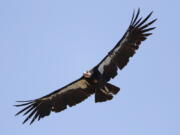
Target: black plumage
[(95, 81)]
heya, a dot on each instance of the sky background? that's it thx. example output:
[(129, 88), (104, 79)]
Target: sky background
[(46, 44)]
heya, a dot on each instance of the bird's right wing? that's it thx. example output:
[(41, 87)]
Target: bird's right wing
[(118, 57), (56, 101)]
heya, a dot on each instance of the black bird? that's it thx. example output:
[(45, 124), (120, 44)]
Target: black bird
[(94, 81)]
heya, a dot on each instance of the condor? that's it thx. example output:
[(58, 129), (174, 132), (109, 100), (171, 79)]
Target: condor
[(94, 81)]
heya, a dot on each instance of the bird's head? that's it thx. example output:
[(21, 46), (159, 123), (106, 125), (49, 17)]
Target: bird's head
[(87, 74)]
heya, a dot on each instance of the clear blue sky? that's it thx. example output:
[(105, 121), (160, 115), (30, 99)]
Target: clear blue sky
[(45, 44)]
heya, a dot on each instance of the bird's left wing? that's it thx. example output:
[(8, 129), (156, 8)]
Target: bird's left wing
[(118, 57), (56, 101)]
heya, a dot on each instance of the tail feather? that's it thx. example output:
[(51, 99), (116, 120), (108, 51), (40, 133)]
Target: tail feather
[(112, 88), (101, 95), (106, 93)]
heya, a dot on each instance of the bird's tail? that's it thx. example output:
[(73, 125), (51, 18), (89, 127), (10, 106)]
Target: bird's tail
[(106, 93)]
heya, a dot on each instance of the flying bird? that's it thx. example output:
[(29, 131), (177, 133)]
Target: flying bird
[(93, 81)]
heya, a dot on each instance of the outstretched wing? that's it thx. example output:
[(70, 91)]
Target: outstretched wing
[(118, 57), (57, 101)]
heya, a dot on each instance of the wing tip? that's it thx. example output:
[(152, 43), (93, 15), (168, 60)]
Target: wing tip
[(135, 22), (134, 16), (29, 107)]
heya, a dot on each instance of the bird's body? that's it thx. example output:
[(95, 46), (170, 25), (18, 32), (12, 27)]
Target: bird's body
[(94, 81)]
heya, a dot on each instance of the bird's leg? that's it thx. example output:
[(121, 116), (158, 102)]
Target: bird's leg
[(95, 81)]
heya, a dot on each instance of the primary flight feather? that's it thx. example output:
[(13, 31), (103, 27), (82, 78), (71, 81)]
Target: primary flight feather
[(94, 81)]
